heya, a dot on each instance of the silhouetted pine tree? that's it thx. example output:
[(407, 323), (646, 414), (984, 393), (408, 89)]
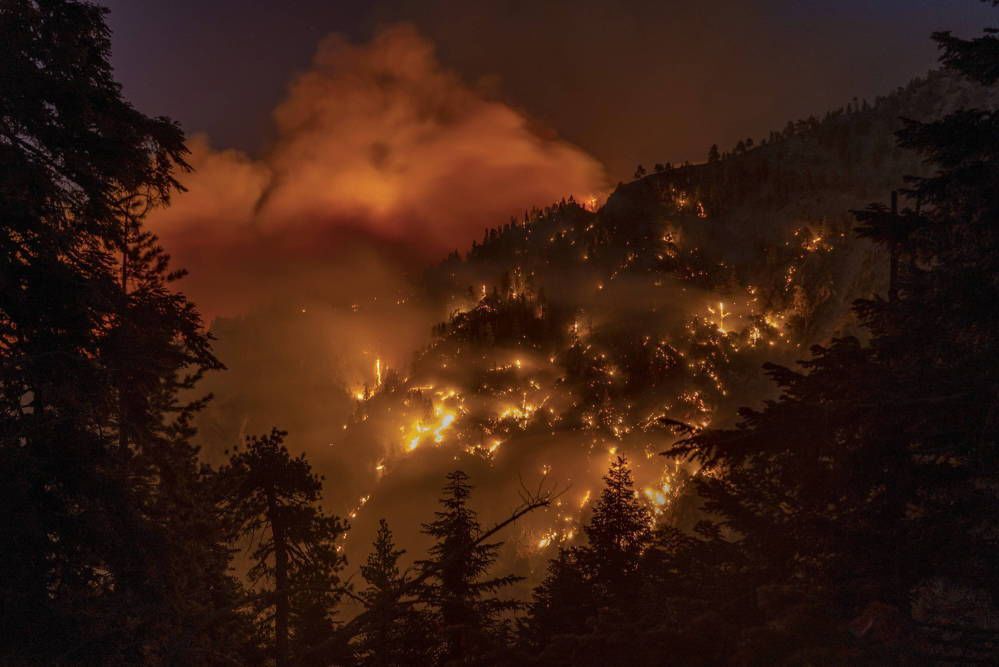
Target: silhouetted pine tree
[(112, 552), (560, 605), (866, 495), (582, 612), (272, 500), (617, 535), (460, 594), (397, 633), (977, 59), (801, 487)]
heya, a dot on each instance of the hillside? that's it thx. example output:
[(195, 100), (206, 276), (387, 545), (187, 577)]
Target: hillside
[(581, 330)]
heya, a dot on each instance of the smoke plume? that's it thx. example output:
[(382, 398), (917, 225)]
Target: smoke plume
[(377, 147)]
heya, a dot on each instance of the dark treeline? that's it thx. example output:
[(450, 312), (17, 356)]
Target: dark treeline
[(852, 520)]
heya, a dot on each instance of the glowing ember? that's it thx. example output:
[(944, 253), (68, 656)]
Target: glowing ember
[(720, 314)]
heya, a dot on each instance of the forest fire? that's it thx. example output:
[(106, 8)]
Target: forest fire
[(720, 315), (561, 386), (728, 412)]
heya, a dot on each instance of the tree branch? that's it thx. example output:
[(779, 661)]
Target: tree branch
[(532, 501)]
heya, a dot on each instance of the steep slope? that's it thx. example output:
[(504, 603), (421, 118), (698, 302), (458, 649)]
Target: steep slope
[(582, 330)]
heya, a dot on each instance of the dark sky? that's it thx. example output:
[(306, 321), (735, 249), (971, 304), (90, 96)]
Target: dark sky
[(627, 80)]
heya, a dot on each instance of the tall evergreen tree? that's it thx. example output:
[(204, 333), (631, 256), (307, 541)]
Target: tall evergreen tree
[(561, 605), (396, 633), (868, 491), (106, 503), (460, 593), (272, 500), (617, 534), (586, 582)]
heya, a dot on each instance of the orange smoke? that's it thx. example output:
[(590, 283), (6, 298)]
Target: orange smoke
[(377, 146)]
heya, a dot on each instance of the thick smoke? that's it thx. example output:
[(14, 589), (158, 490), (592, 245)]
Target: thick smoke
[(307, 259), (377, 146), (320, 264)]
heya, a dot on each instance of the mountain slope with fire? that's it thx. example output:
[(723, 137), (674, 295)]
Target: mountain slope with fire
[(581, 332), (555, 469)]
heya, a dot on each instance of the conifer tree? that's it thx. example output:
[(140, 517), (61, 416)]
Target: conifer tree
[(460, 593), (272, 500), (114, 548), (869, 486), (396, 633), (560, 605), (584, 582), (617, 534)]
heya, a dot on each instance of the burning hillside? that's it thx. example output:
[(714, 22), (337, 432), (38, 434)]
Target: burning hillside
[(575, 332), (597, 346)]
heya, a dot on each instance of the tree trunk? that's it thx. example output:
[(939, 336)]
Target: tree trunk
[(124, 315), (893, 271), (281, 611)]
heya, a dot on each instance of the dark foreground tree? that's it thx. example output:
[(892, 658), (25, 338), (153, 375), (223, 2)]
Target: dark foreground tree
[(396, 631), (426, 586), (460, 593), (866, 498), (112, 550), (272, 500), (591, 590), (618, 533), (561, 605)]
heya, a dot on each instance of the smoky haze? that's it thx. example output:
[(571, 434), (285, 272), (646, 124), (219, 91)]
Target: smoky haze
[(628, 80), (379, 149), (308, 258)]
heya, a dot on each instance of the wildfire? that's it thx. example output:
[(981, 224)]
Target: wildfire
[(720, 314), (589, 385), (816, 241), (433, 429), (665, 490), (360, 503), (658, 496)]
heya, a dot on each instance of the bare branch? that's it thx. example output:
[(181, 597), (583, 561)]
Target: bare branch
[(532, 501)]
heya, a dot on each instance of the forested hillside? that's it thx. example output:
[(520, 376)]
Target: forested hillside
[(563, 469)]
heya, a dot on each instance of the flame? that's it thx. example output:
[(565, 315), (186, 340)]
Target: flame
[(721, 315), (435, 429), (513, 385)]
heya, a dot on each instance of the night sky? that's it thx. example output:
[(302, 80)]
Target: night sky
[(627, 81)]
